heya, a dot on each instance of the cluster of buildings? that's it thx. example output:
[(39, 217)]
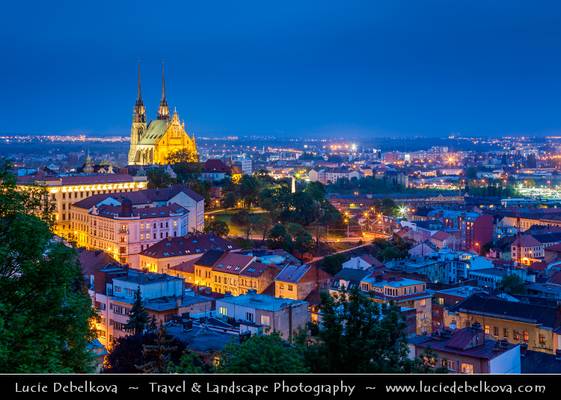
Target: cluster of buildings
[(452, 288)]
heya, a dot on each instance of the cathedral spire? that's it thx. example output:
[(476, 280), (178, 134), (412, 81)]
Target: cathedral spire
[(163, 110), (139, 92), (139, 113)]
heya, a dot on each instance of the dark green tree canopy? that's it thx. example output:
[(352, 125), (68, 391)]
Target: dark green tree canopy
[(45, 310), (262, 354)]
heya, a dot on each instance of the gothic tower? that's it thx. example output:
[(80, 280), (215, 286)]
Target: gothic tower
[(163, 110), (138, 121)]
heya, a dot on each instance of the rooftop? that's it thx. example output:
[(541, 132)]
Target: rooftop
[(194, 243), (261, 302), (480, 304)]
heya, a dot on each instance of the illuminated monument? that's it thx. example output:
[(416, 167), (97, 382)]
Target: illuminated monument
[(156, 141)]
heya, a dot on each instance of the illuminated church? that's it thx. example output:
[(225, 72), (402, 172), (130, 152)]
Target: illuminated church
[(156, 141)]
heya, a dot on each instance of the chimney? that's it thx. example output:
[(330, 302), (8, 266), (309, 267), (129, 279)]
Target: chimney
[(126, 208), (523, 349)]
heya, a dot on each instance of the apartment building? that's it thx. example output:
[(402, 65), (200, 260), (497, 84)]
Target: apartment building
[(534, 325), (403, 292), (173, 251), (65, 190), (297, 282), (284, 316), (112, 291), (468, 351)]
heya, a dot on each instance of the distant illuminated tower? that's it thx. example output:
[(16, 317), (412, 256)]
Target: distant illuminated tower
[(88, 165), (154, 142), (293, 184), (138, 121), (163, 110)]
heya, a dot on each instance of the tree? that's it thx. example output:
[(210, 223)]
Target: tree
[(158, 178), (396, 248), (148, 352), (333, 263), (189, 363), (138, 316), (357, 335), (160, 354), (261, 354), (512, 284), (388, 207), (249, 190), (219, 228), (302, 241), (45, 310), (182, 156), (187, 171), (243, 220), (279, 238), (229, 200), (316, 190)]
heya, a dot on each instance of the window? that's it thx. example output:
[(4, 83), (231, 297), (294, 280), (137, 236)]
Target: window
[(505, 332), (249, 317), (449, 364), (290, 288), (265, 320), (525, 336), (467, 368), (487, 329), (496, 331), (223, 311)]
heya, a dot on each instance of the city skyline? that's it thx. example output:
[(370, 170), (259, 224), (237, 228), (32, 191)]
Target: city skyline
[(357, 69)]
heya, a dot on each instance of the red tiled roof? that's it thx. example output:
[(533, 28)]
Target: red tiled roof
[(538, 266), (526, 241), (372, 260), (215, 165), (555, 248), (141, 197), (256, 269), (143, 213), (232, 263), (555, 278), (197, 243), (78, 179), (91, 261), (440, 235), (187, 267)]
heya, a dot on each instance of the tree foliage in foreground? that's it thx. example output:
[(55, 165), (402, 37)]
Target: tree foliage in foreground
[(45, 310), (262, 354), (358, 336)]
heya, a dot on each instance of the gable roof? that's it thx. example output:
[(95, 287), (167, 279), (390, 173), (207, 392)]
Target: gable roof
[(232, 263), (215, 165), (351, 275), (210, 257), (372, 260), (526, 241), (480, 304), (140, 197), (292, 273), (440, 235), (256, 269), (195, 243), (155, 130)]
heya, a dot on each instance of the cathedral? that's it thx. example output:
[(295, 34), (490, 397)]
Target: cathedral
[(155, 142)]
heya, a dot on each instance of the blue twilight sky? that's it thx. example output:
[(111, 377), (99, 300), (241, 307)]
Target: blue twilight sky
[(285, 68)]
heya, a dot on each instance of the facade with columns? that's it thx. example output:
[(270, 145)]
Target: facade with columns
[(154, 142)]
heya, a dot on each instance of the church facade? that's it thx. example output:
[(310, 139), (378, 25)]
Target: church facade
[(158, 140)]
